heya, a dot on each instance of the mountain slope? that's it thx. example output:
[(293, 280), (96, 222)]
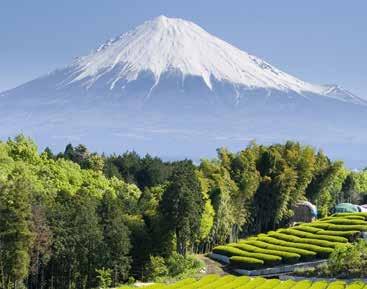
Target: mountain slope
[(170, 86)]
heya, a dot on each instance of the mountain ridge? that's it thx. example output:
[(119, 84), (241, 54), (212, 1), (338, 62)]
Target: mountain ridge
[(169, 85)]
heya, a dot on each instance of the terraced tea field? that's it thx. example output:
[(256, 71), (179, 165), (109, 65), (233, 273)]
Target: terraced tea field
[(305, 242), (244, 282)]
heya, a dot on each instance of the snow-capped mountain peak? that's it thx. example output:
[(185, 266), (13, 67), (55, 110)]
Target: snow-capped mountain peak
[(167, 44)]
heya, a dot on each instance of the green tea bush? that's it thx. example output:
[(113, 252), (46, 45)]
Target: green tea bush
[(181, 283), (231, 251), (321, 252), (253, 283), (356, 285), (302, 234), (287, 257), (270, 284), (244, 282), (305, 254), (344, 221), (337, 285), (246, 262), (219, 282), (295, 239), (228, 251), (304, 284), (347, 234), (285, 284), (236, 283), (334, 227), (361, 214), (305, 228), (319, 285)]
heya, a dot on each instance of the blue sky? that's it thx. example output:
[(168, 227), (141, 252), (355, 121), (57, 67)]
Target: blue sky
[(317, 41)]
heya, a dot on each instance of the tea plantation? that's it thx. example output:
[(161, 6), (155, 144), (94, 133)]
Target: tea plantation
[(244, 282), (305, 242)]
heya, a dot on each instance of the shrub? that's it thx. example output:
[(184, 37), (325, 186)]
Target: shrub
[(180, 265), (334, 227), (319, 285), (156, 268), (305, 254), (253, 284), (337, 285), (228, 251), (288, 258), (219, 282), (306, 228), (302, 234), (207, 280), (246, 262), (269, 284), (361, 214), (347, 234), (355, 285), (304, 284), (322, 252), (104, 278), (295, 239), (344, 221), (286, 284), (232, 251), (240, 281), (349, 260)]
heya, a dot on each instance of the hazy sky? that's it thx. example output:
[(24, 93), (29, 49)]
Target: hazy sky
[(321, 41)]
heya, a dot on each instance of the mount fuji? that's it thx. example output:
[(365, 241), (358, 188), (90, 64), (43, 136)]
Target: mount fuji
[(170, 88)]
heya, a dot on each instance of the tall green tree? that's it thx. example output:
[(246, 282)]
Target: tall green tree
[(182, 205), (15, 234)]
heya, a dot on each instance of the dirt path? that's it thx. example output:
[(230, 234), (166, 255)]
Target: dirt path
[(211, 266)]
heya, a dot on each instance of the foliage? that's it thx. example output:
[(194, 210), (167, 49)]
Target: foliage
[(173, 267), (104, 278), (244, 282), (65, 215), (349, 260), (291, 244)]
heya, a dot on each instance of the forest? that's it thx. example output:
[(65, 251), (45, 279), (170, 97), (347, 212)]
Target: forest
[(68, 218)]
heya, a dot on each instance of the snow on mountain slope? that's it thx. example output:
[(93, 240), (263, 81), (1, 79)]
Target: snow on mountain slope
[(169, 87), (166, 45)]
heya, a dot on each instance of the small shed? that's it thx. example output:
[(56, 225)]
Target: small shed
[(346, 208), (304, 212)]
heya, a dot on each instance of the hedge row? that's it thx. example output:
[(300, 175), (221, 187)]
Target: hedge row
[(306, 241), (219, 282), (350, 235), (334, 227), (363, 214), (344, 221), (232, 282), (295, 239), (308, 235), (319, 285), (246, 262), (286, 284), (254, 283), (230, 251), (305, 254), (287, 257), (304, 284), (321, 252)]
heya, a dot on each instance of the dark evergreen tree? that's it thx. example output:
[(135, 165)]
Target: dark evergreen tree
[(182, 205)]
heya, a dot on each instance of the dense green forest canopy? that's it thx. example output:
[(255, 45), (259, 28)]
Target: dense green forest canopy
[(65, 216)]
